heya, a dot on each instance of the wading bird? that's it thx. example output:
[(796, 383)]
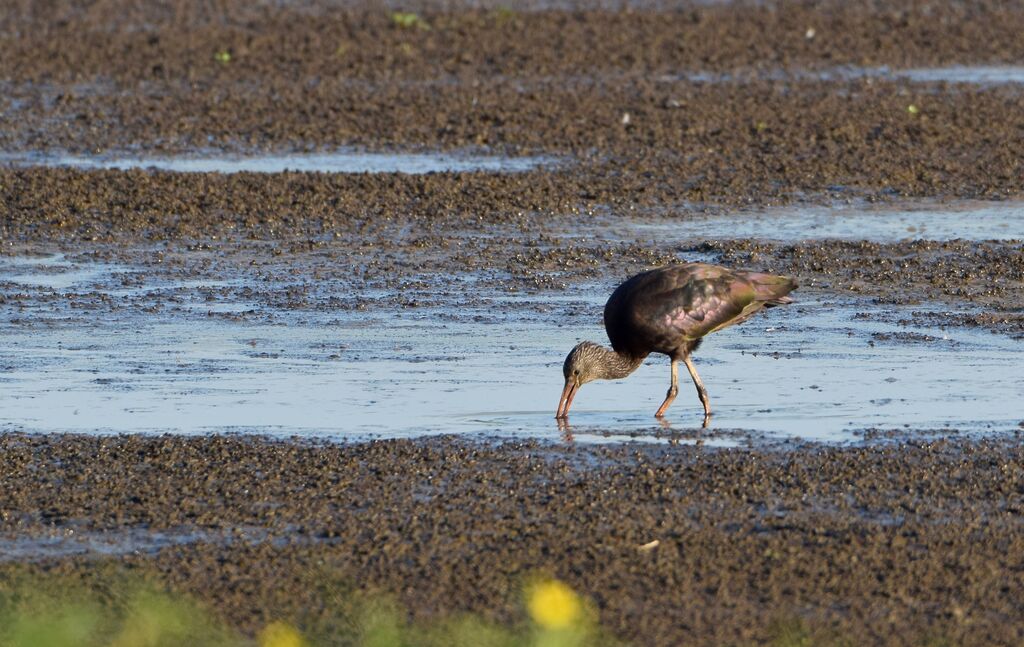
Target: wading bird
[(669, 310)]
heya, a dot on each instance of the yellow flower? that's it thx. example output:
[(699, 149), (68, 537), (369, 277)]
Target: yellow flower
[(281, 634), (553, 605)]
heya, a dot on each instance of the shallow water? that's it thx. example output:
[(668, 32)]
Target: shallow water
[(978, 74), (66, 542), (818, 370), (337, 162), (67, 539), (986, 75), (969, 220), (972, 74)]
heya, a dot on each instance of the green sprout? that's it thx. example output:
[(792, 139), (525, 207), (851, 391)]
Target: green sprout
[(223, 56), (504, 15), (408, 20)]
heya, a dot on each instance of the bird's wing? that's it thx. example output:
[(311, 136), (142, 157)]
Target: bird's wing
[(691, 304)]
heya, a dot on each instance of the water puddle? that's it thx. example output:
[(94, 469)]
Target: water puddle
[(972, 74), (337, 162), (105, 347), (66, 541), (880, 223), (977, 74), (54, 272), (984, 75), (815, 370)]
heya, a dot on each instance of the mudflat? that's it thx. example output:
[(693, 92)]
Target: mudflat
[(646, 121), (896, 542)]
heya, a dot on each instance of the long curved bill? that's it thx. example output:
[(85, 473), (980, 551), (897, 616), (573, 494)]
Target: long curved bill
[(568, 393)]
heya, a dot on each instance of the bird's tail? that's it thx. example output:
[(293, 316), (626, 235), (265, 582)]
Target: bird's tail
[(771, 289)]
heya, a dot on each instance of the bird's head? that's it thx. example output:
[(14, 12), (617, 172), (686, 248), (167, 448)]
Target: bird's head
[(582, 365)]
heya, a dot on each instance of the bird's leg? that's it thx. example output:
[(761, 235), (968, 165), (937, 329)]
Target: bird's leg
[(563, 426), (702, 393), (672, 390)]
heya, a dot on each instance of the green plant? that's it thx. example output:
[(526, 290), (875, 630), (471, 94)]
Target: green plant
[(408, 20), (114, 611), (504, 15), (60, 614)]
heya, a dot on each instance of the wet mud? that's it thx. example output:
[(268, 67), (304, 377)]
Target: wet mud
[(308, 256), (892, 543), (987, 274), (621, 90), (136, 301)]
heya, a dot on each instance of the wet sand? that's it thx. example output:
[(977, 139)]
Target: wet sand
[(898, 537)]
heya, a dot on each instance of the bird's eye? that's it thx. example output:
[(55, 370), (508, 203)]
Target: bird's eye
[(576, 371)]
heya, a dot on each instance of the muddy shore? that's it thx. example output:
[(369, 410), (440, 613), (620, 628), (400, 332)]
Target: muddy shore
[(623, 92), (912, 537), (757, 132), (608, 94), (891, 543), (329, 260)]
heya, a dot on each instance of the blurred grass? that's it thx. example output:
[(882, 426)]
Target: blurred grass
[(59, 611), (110, 608), (113, 610), (408, 20)]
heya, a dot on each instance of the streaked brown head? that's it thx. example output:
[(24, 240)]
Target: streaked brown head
[(583, 364)]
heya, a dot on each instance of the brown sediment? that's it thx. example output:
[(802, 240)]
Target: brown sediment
[(330, 259), (892, 543), (126, 41), (775, 141), (987, 275), (123, 77), (757, 131)]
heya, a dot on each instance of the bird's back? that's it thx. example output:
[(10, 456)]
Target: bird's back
[(668, 309)]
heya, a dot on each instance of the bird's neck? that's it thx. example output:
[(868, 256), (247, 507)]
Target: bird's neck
[(615, 365)]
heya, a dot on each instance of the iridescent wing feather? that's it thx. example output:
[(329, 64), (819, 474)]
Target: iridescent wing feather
[(663, 310)]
